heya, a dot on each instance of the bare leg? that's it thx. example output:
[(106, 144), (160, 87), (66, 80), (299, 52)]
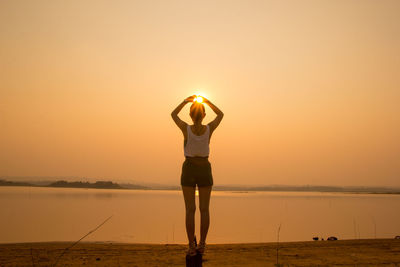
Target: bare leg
[(190, 205), (204, 201)]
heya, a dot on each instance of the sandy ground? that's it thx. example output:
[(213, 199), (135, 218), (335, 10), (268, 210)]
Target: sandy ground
[(377, 252)]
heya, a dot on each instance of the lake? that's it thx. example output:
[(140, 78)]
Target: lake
[(33, 214)]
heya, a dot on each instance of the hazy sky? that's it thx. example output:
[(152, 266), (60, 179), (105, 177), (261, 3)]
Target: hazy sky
[(310, 89)]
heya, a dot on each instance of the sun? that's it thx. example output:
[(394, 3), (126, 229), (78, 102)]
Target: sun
[(199, 99)]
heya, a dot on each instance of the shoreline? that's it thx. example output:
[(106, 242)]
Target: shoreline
[(214, 244), (215, 188), (371, 252)]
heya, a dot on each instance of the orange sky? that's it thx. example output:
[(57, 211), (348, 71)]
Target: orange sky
[(310, 89)]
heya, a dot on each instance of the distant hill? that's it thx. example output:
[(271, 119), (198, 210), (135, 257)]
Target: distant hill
[(79, 184), (10, 183), (98, 184)]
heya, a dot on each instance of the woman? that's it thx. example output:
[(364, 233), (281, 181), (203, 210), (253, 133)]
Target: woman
[(196, 169)]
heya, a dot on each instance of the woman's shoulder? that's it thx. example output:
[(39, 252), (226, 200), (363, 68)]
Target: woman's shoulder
[(203, 130)]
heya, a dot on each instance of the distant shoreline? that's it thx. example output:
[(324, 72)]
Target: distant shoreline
[(243, 189)]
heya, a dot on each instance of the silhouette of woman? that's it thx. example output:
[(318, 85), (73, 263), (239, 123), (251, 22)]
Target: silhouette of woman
[(196, 169)]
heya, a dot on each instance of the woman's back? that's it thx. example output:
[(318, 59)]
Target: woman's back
[(197, 145)]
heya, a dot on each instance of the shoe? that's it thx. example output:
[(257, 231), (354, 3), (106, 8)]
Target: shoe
[(201, 247), (192, 249)]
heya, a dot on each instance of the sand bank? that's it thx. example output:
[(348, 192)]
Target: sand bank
[(373, 252)]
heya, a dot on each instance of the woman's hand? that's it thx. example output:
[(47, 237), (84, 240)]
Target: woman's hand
[(189, 99)]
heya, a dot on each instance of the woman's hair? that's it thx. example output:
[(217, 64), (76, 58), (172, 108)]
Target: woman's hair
[(197, 111)]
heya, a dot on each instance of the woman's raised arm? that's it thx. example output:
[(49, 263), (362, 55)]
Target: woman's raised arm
[(180, 123), (214, 124)]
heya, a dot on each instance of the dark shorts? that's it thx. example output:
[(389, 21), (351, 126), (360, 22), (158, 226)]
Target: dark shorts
[(196, 171)]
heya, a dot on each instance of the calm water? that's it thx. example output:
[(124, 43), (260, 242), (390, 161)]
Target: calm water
[(52, 214)]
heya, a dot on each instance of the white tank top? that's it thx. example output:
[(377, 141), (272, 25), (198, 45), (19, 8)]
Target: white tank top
[(197, 146)]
